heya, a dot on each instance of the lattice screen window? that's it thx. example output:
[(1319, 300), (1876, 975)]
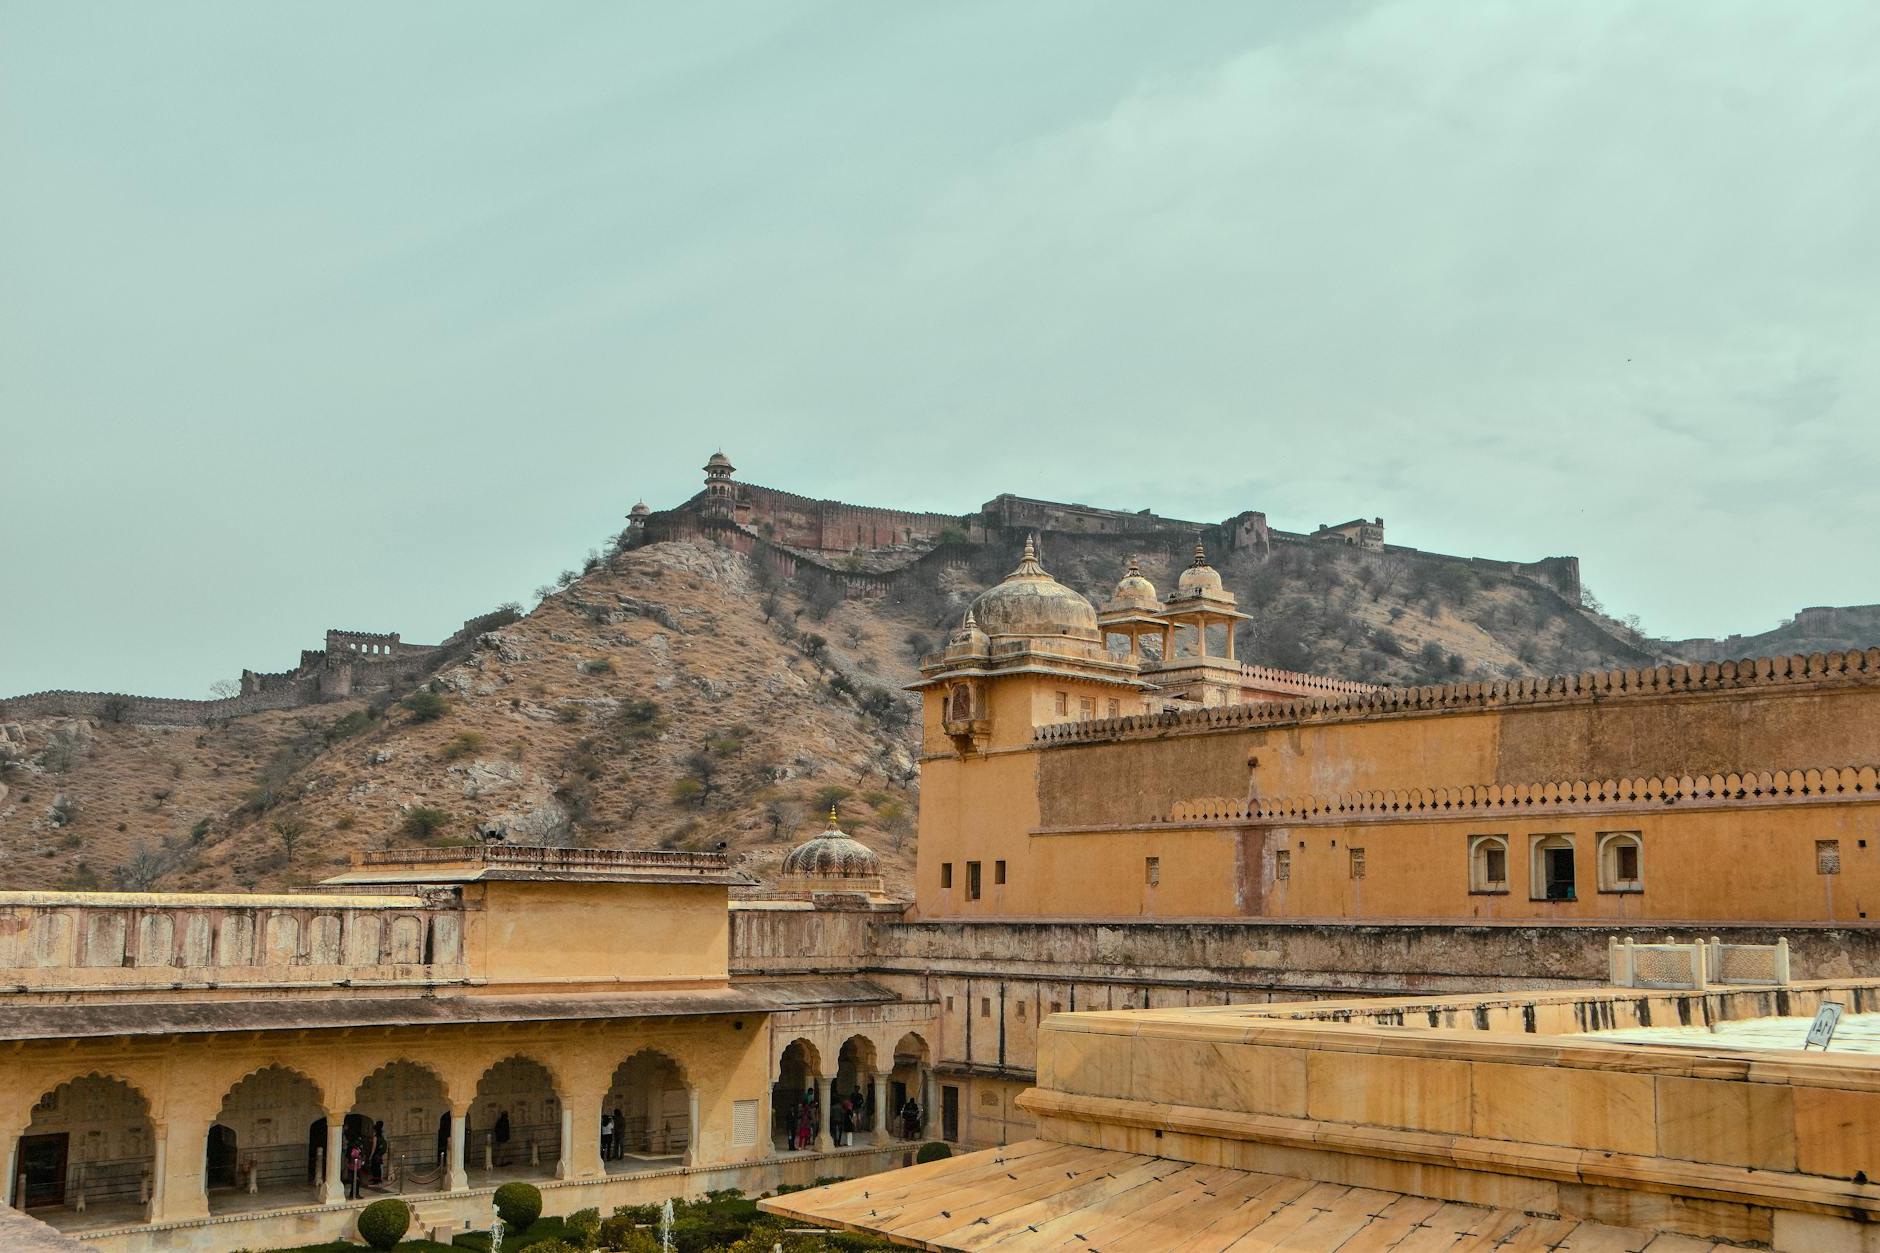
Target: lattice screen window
[(743, 1122), (1357, 863), (1152, 870), (1827, 857)]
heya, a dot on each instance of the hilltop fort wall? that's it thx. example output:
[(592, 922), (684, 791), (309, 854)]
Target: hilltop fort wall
[(351, 663)]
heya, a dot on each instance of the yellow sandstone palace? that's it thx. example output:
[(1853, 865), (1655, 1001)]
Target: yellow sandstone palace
[(1119, 816)]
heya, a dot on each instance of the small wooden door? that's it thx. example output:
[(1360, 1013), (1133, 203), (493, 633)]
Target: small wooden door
[(219, 1163), (42, 1164), (950, 1114)]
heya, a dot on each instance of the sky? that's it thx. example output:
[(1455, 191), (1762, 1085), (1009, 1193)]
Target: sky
[(376, 316)]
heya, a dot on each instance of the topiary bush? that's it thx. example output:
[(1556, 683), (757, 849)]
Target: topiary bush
[(518, 1205), (584, 1227), (623, 1235), (933, 1151), (383, 1224)]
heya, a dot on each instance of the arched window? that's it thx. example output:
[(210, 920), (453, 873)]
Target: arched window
[(1488, 863), (1552, 870), (962, 704), (1621, 862)]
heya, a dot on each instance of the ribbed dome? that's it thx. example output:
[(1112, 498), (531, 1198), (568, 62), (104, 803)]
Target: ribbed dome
[(1133, 591), (1031, 602), (640, 510), (1199, 579), (833, 854), (719, 461)]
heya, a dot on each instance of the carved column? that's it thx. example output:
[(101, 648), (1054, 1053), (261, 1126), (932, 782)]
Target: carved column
[(459, 1178), (879, 1125), (564, 1166), (581, 1111), (691, 1115), (332, 1187), (177, 1179), (823, 1142), (929, 1092)]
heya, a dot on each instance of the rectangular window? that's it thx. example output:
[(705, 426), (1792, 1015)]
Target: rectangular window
[(1488, 863), (1282, 864), (949, 1004), (946, 874), (1357, 863), (1018, 1008), (1116, 709), (1063, 703), (1827, 857), (1495, 863), (744, 1122), (985, 1007), (1057, 1007), (998, 872), (1152, 870), (1086, 707), (972, 880)]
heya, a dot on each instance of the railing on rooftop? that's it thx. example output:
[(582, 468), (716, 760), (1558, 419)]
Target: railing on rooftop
[(543, 858)]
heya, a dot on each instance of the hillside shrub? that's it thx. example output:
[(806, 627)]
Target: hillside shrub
[(933, 1151), (426, 706), (382, 1224), (463, 744), (518, 1205), (424, 821)]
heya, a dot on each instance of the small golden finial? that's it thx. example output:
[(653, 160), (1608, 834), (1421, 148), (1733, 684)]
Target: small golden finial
[(1201, 557), (832, 815)]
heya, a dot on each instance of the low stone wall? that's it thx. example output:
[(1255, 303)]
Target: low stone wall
[(118, 941), (159, 710), (473, 1209)]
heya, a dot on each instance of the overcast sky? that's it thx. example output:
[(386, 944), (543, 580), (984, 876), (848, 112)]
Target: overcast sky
[(374, 316)]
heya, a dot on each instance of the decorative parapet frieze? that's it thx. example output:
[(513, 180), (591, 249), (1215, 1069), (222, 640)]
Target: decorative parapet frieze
[(1714, 676), (1845, 783)]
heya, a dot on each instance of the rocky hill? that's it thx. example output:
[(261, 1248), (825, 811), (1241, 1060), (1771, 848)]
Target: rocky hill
[(680, 695), (1818, 629)]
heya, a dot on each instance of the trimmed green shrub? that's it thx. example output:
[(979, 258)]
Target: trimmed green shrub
[(584, 1227), (933, 1151), (383, 1224), (623, 1235), (554, 1246), (518, 1205)]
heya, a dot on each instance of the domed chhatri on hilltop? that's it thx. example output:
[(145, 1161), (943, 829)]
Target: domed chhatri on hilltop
[(832, 854), (1029, 602), (1133, 591)]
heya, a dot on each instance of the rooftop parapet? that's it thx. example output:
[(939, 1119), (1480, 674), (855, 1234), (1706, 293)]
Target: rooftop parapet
[(498, 862), (1813, 670)]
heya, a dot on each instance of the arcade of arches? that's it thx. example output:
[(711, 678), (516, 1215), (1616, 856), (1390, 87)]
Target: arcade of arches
[(874, 1093), (228, 1124)]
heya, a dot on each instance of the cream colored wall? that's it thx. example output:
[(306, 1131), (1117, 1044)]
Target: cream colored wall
[(535, 933), (185, 1079)]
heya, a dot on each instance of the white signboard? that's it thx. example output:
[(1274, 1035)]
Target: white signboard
[(1825, 1022)]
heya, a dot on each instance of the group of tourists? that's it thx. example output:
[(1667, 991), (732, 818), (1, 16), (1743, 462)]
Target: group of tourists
[(613, 1135), (848, 1113), (362, 1159)]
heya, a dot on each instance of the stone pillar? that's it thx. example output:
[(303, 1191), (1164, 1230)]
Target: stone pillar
[(177, 1176), (582, 1153), (10, 1156), (564, 1165), (458, 1178), (332, 1187), (823, 1142), (1201, 635), (1230, 640), (691, 1123), (930, 1096), (879, 1124)]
